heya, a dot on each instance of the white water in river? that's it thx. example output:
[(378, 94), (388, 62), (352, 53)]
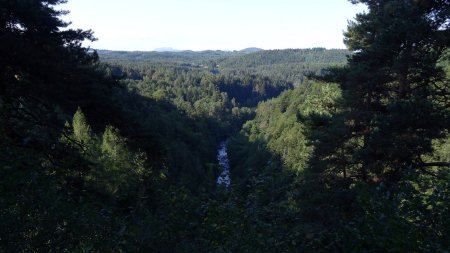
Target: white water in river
[(222, 157)]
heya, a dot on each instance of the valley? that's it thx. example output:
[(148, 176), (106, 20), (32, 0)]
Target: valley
[(252, 150)]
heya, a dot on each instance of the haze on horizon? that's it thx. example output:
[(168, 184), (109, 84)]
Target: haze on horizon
[(145, 25)]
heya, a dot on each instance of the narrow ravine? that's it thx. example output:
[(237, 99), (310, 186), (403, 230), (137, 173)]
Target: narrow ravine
[(222, 157)]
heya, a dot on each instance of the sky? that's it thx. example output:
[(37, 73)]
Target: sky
[(144, 25)]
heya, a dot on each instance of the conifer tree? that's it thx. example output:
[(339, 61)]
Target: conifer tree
[(395, 93), (81, 129)]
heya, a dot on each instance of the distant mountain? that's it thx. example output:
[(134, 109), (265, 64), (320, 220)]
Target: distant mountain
[(166, 49), (251, 50)]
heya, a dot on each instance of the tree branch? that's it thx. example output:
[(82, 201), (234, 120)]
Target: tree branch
[(432, 174), (437, 164)]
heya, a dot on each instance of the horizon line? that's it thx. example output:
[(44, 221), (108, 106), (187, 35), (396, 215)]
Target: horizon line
[(174, 50)]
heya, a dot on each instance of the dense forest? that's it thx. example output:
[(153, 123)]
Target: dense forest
[(289, 65), (329, 150)]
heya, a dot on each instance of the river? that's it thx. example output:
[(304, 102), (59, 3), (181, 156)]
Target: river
[(222, 158)]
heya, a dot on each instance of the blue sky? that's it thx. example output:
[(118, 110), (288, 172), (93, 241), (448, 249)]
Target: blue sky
[(212, 24)]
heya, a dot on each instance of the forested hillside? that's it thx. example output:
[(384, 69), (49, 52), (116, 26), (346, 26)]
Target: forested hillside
[(329, 150), (288, 65), (291, 65)]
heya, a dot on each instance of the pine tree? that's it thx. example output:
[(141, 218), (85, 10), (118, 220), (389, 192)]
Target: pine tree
[(395, 93), (81, 129)]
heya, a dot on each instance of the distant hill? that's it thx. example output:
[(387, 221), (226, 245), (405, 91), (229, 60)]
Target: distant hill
[(283, 56), (166, 56), (245, 58), (245, 50), (166, 49), (251, 50), (289, 65)]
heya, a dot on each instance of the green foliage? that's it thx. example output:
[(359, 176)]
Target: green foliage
[(290, 65), (280, 122), (394, 104), (112, 143), (441, 149), (81, 129)]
